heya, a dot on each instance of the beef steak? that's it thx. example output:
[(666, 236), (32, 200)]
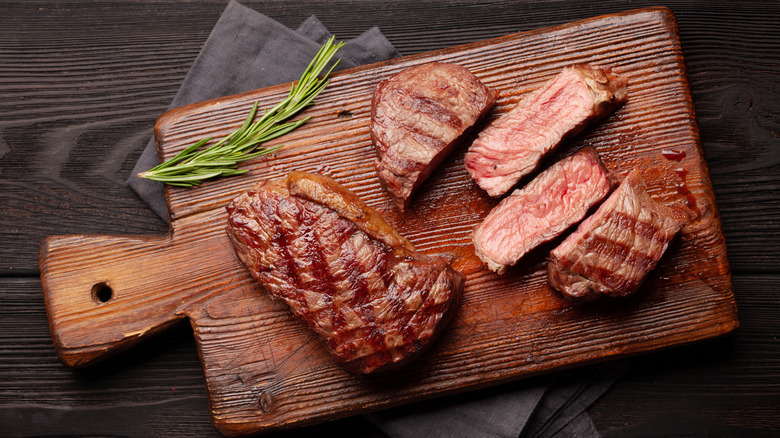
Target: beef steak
[(556, 199), (612, 251), (512, 146), (373, 300), (417, 117)]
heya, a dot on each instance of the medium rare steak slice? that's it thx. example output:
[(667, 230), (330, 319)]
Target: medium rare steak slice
[(611, 251), (417, 118), (512, 146), (555, 200), (373, 300)]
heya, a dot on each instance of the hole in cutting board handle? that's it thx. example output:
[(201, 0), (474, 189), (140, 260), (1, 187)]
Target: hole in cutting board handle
[(102, 292)]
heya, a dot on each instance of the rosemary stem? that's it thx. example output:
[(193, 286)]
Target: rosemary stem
[(193, 165)]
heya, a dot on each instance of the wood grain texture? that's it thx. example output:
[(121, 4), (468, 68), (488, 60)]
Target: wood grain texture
[(83, 82), (264, 371), (156, 389)]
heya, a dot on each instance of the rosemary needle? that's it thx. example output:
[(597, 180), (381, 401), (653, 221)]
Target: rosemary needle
[(193, 165)]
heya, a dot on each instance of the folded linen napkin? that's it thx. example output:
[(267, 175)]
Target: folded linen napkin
[(247, 50)]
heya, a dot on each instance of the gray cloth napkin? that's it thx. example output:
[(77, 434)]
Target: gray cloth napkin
[(502, 411), (562, 411), (247, 50), (544, 407)]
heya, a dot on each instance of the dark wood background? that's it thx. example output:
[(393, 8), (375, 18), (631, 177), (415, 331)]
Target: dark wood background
[(82, 83)]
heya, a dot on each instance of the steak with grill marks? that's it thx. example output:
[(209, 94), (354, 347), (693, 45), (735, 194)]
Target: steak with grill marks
[(374, 301), (513, 145), (556, 199), (612, 251), (417, 118)]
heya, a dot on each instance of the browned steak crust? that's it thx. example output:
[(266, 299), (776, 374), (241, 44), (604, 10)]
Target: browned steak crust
[(612, 251), (417, 117), (373, 300)]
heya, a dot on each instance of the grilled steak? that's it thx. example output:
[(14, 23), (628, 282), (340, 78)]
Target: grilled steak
[(372, 299), (512, 146), (611, 251), (417, 117), (555, 200)]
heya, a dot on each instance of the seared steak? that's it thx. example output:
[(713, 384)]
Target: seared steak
[(512, 146), (373, 300), (611, 251), (417, 117), (556, 199)]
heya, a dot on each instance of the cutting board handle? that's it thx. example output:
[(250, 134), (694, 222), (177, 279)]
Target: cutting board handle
[(104, 294)]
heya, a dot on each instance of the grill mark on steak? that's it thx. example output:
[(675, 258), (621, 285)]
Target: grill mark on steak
[(644, 229), (556, 199), (612, 251), (354, 275), (421, 105), (417, 117), (282, 246), (607, 251), (312, 252), (370, 297), (321, 278), (513, 145)]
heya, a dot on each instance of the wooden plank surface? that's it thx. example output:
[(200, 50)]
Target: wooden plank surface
[(264, 371), (83, 83)]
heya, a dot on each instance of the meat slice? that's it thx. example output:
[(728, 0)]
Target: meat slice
[(512, 146), (373, 300), (612, 251), (417, 117), (556, 199)]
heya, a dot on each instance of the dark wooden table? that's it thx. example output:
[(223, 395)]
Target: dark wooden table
[(82, 82)]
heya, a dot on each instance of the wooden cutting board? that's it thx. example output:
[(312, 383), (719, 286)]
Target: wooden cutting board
[(264, 371)]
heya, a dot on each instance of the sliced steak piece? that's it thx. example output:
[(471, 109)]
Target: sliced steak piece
[(611, 251), (373, 300), (512, 146), (555, 200), (417, 117)]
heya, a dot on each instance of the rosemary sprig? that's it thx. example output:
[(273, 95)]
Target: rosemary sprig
[(192, 165)]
